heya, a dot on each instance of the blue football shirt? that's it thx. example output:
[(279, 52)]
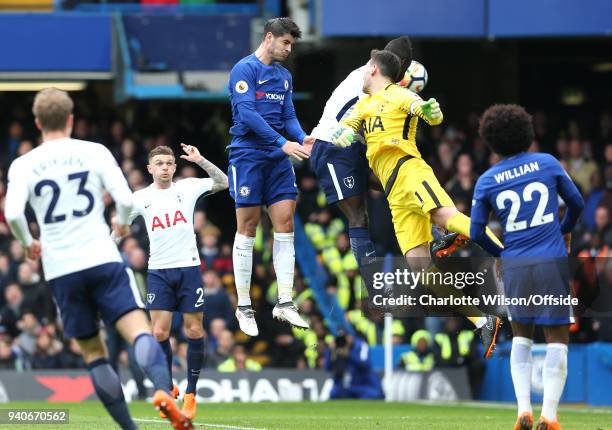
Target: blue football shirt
[(523, 192), (265, 90)]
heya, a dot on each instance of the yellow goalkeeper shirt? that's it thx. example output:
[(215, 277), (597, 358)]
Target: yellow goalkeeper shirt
[(389, 120)]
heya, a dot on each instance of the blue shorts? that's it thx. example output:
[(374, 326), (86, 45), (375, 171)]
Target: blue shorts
[(179, 289), (260, 176), (548, 279), (342, 172), (108, 289)]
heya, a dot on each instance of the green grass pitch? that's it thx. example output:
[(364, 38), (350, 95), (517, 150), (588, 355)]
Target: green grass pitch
[(332, 415)]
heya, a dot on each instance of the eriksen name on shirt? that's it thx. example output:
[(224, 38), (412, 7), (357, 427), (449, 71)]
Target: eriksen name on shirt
[(517, 171)]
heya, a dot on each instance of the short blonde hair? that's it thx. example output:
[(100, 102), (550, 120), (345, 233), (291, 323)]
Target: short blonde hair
[(160, 150), (52, 107)]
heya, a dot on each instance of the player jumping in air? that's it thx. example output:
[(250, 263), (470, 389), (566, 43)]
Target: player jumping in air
[(522, 191), (260, 172), (343, 173), (389, 115), (64, 180), (174, 280)]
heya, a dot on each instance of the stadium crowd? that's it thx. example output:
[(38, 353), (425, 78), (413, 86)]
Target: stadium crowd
[(30, 328)]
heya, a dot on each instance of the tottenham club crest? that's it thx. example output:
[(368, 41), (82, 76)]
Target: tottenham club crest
[(150, 298), (179, 197), (349, 181), (245, 191)]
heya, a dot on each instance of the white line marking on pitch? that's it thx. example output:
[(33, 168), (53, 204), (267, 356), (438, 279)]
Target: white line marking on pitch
[(218, 426)]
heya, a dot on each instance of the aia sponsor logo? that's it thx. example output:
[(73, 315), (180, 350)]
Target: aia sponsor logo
[(158, 222)]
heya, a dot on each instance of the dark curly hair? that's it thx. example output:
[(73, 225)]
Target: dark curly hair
[(507, 129)]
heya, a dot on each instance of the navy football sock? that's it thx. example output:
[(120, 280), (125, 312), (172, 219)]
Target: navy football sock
[(150, 357), (167, 348), (195, 357), (362, 246), (108, 388)]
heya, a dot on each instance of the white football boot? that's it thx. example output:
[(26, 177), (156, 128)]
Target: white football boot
[(288, 312), (246, 320)]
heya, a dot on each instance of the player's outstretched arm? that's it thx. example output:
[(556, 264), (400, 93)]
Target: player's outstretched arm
[(429, 111), (219, 178), (344, 135)]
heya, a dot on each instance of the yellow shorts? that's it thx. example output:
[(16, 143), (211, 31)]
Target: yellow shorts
[(416, 191)]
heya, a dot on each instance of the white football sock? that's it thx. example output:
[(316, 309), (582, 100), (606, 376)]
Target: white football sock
[(242, 258), (520, 367), (553, 376), (283, 255)]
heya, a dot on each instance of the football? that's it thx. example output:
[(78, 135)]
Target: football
[(415, 77)]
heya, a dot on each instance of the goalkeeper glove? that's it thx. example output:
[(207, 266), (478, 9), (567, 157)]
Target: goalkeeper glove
[(431, 110), (343, 137)]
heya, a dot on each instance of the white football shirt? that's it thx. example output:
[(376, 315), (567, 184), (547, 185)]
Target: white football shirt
[(168, 215), (339, 104), (64, 182)]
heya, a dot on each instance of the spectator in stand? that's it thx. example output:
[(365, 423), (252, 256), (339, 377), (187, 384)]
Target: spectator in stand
[(581, 169), (239, 361), (444, 165), (461, 186), (72, 356), (29, 327), (24, 147), (9, 314), (136, 180), (35, 293), (48, 353), (592, 201), (421, 357), (9, 359), (217, 326), (5, 269), (348, 358), (562, 148), (225, 344), (209, 250), (309, 198), (223, 264), (287, 351), (217, 303), (603, 227), (608, 155), (15, 135)]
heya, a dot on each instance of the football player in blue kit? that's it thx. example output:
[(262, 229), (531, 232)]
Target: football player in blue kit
[(260, 172), (522, 191)]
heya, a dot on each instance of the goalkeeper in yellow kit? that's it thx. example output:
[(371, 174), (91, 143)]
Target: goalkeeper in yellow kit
[(388, 115)]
